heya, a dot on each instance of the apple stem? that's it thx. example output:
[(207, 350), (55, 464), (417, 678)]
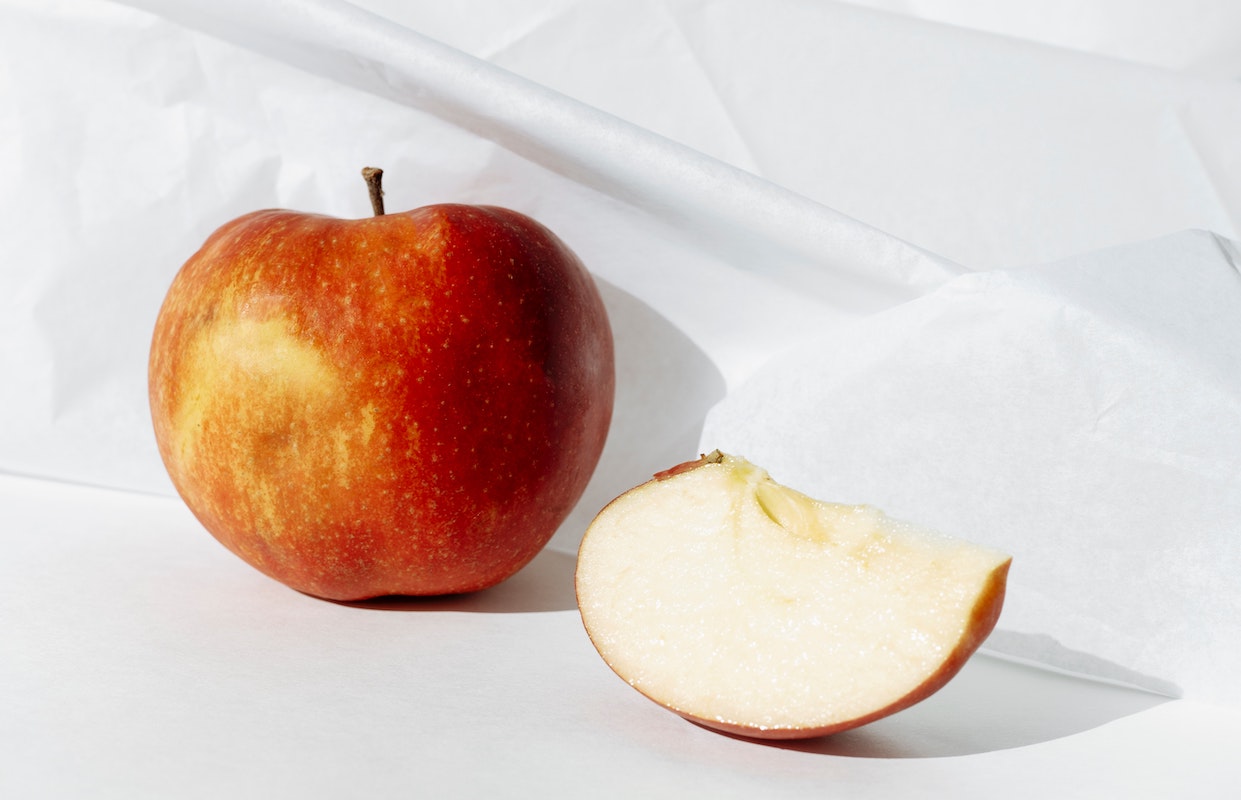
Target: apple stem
[(374, 182)]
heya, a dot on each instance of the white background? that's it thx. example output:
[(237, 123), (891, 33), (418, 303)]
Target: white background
[(794, 188)]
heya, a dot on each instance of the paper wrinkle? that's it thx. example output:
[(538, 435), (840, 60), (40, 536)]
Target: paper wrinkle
[(1217, 172), (1228, 248), (674, 15), (531, 28), (1182, 313), (627, 58), (1208, 176), (514, 37), (958, 140), (1200, 37)]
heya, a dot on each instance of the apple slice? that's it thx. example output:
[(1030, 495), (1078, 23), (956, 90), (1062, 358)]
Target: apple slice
[(751, 608)]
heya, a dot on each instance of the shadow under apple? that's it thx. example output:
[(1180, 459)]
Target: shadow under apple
[(545, 584)]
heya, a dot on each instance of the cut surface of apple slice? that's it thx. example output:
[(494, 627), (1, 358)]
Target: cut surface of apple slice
[(751, 608)]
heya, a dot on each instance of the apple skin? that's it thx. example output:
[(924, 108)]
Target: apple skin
[(982, 619), (406, 404)]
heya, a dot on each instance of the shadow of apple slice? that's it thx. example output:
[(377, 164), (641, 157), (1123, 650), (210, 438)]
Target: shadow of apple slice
[(992, 704)]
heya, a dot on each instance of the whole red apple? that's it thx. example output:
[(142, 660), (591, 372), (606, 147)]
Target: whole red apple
[(407, 404)]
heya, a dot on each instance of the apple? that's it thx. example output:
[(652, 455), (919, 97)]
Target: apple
[(404, 404), (751, 608)]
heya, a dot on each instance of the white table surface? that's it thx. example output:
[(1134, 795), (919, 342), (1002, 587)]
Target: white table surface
[(140, 659)]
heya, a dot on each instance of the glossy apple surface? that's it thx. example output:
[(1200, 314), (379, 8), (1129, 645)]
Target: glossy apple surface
[(404, 404), (751, 608)]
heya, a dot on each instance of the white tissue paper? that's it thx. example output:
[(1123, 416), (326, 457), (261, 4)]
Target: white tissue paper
[(1084, 414)]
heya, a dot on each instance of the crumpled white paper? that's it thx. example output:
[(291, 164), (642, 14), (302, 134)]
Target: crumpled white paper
[(134, 129)]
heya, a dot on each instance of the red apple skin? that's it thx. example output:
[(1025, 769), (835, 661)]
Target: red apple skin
[(404, 404)]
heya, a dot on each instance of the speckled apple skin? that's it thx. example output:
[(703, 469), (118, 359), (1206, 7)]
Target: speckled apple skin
[(404, 404)]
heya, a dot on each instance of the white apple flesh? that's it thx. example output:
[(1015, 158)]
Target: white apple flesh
[(751, 608)]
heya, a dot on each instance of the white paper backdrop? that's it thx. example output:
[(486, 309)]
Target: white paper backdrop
[(824, 218)]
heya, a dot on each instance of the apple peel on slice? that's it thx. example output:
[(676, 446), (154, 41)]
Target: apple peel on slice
[(751, 608)]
